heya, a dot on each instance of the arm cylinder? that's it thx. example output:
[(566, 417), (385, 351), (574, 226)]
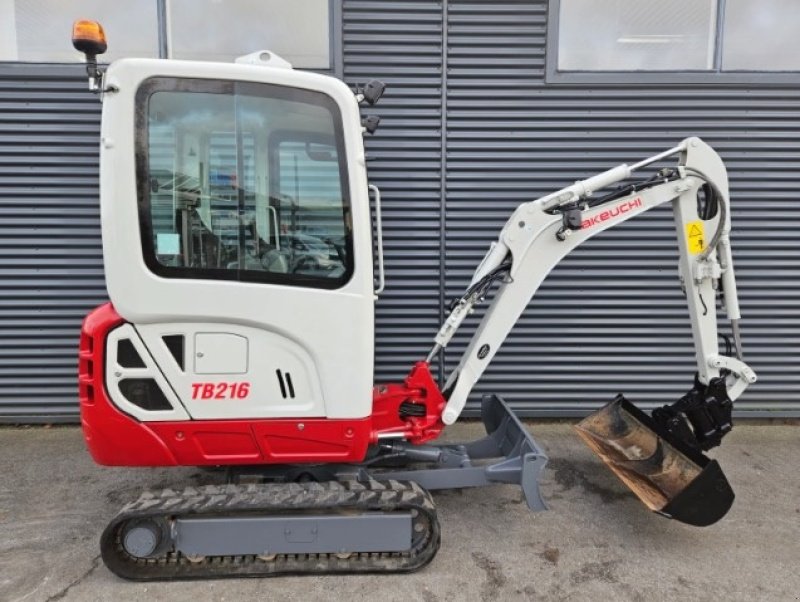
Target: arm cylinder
[(728, 279)]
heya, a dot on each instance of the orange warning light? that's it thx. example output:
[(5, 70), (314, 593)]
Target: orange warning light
[(88, 37)]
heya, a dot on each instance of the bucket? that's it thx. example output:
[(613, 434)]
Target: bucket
[(669, 476)]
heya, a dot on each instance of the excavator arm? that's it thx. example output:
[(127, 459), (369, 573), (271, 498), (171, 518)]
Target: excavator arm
[(660, 457), (541, 233)]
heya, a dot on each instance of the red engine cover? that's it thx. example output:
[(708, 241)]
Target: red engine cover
[(117, 439)]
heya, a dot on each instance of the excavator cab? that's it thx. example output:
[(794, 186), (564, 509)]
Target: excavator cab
[(237, 246)]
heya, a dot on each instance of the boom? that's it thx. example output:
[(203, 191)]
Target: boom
[(542, 232)]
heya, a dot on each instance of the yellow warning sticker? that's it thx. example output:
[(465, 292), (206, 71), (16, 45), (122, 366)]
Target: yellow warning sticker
[(696, 240)]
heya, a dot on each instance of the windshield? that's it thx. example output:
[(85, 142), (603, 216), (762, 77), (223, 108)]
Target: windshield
[(242, 181)]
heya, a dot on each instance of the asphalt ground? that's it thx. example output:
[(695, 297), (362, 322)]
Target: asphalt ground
[(597, 542)]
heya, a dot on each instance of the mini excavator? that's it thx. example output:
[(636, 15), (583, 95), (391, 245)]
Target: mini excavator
[(238, 251)]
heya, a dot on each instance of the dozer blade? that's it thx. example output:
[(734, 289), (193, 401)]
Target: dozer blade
[(669, 476)]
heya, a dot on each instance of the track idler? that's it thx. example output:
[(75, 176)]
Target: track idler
[(665, 471)]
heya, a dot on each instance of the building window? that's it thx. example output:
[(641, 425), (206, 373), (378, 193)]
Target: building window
[(702, 40), (761, 35), (242, 181), (634, 35), (217, 30), (40, 30), (205, 30)]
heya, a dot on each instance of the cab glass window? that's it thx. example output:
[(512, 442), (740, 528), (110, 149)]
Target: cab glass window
[(242, 181)]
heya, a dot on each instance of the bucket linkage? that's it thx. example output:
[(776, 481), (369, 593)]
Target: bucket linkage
[(661, 459)]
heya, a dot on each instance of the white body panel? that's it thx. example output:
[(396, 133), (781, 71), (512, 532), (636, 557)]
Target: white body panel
[(227, 356), (328, 333)]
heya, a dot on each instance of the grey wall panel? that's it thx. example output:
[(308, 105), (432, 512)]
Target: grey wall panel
[(401, 44), (50, 250), (611, 317)]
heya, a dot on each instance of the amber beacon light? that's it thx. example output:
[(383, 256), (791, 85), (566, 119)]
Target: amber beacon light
[(89, 38)]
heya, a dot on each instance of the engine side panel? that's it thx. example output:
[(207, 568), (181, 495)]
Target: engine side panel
[(231, 371), (117, 438), (113, 438)]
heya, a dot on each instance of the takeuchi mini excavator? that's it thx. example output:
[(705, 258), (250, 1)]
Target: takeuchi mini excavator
[(238, 250)]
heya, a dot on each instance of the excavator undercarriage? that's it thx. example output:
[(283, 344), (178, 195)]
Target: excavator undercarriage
[(377, 516), (312, 528)]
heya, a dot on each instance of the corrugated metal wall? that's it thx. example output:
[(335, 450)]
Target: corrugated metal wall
[(470, 129), (611, 317), (401, 44), (50, 250)]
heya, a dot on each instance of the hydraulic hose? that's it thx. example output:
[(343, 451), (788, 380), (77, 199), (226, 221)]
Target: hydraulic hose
[(723, 212)]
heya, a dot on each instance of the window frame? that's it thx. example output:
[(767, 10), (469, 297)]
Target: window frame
[(714, 76), (155, 84)]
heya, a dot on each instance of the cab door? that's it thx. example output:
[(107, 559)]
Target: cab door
[(236, 221)]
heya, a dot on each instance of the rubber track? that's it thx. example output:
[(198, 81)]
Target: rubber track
[(271, 499)]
